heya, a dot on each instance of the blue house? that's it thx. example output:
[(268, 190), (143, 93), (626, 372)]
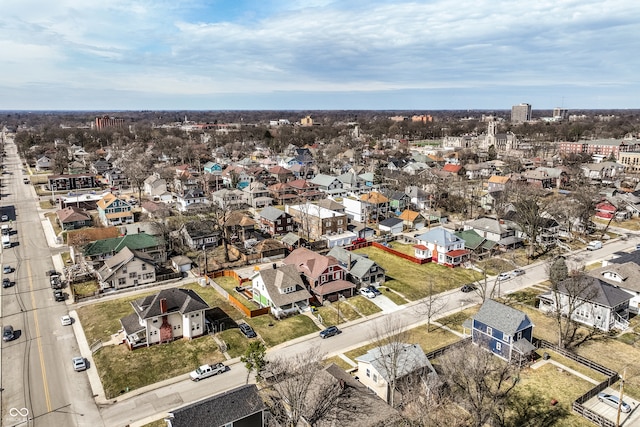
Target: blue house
[(503, 330), (213, 168)]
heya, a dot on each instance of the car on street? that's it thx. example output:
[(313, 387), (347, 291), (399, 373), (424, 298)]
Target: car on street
[(517, 272), (206, 371), (58, 295), (468, 288), (4, 218), (6, 269), (79, 363), (504, 276), (7, 333), (247, 330), (374, 290), (66, 320), (55, 282), (614, 401), (329, 332), (367, 293), (6, 283)]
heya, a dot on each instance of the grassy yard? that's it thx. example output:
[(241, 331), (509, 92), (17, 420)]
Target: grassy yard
[(214, 299), (236, 342), (121, 369), (388, 291), (274, 332), (454, 321), (229, 284), (157, 423), (364, 306), (338, 361), (51, 216), (414, 280), (85, 289)]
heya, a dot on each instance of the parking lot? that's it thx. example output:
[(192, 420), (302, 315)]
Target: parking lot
[(611, 413)]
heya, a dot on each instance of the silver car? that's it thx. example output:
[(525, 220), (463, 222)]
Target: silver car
[(79, 364), (613, 401)]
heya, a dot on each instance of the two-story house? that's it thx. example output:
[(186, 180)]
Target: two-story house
[(126, 269), (315, 222), (324, 277), (154, 185), (72, 218), (190, 200), (200, 234), (281, 289), (257, 195), (441, 246), (503, 330), (71, 182), (275, 221), (163, 317), (495, 230), (360, 270), (113, 210), (228, 198), (95, 253), (328, 184), (116, 178)]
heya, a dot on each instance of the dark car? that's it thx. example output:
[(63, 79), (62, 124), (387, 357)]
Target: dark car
[(7, 333), (58, 295), (330, 331), (6, 283), (374, 290), (468, 288), (247, 330)]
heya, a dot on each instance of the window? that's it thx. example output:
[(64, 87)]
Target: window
[(498, 346), (368, 373), (505, 337), (519, 335), (122, 281), (144, 266), (133, 275), (489, 331), (375, 378)]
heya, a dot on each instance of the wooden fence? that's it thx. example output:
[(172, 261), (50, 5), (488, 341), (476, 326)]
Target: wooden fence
[(400, 254), (233, 300)]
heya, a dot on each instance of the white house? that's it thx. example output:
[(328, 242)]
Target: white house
[(280, 289), (125, 269), (168, 315), (441, 246)]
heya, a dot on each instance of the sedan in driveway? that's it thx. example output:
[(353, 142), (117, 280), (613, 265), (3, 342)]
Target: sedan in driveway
[(367, 293), (79, 364), (374, 290), (330, 331), (613, 401), (247, 330)]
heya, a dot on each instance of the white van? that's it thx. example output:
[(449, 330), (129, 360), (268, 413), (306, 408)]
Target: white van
[(592, 246)]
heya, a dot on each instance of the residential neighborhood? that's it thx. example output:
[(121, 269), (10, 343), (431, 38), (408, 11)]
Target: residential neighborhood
[(212, 251)]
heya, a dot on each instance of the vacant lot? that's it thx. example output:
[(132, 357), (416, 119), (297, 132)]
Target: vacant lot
[(413, 280), (229, 284), (122, 370), (274, 332), (363, 305)]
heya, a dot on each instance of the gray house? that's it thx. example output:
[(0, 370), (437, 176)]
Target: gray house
[(360, 270)]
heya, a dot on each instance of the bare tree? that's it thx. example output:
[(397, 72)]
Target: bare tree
[(479, 380), (529, 203), (432, 305)]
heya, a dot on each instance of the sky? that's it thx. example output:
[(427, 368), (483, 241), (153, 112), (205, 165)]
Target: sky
[(318, 54)]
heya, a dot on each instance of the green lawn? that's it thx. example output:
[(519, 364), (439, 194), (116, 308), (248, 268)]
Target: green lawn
[(214, 299), (121, 369), (363, 305), (86, 289), (229, 284), (338, 361), (274, 332), (388, 290), (236, 342), (454, 321), (414, 280)]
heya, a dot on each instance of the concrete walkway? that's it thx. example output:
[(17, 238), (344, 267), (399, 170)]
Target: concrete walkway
[(564, 368)]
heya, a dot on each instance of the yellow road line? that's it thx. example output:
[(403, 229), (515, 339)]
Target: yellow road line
[(35, 318)]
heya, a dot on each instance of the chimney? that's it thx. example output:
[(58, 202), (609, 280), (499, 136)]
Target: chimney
[(163, 305)]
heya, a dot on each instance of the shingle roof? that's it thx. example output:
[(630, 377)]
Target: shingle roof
[(360, 265), (597, 291), (309, 263), (439, 236), (221, 409), (390, 222), (275, 280), (409, 359), (132, 241), (472, 240), (502, 317), (131, 324), (272, 214), (181, 300)]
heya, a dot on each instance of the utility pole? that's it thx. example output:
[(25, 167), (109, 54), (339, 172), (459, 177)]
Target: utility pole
[(624, 374)]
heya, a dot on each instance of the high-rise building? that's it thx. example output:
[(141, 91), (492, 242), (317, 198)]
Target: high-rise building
[(521, 113), (108, 122), (560, 114)]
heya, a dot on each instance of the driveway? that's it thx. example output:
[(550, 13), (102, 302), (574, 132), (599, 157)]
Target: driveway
[(385, 304), (610, 413)]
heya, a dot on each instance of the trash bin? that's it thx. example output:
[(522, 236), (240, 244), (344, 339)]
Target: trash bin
[(546, 356)]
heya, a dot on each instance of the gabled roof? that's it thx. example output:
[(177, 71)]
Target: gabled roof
[(409, 359), (309, 263), (221, 409), (502, 318), (360, 265), (202, 228), (108, 199), (390, 222), (409, 215), (331, 204), (597, 291), (496, 179), (440, 236), (491, 225), (132, 241), (122, 258), (374, 197), (472, 240), (286, 276), (451, 168), (323, 180), (179, 300), (72, 214), (272, 214), (237, 218)]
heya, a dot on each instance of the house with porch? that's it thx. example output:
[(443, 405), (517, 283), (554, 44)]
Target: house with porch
[(113, 210), (623, 275), (73, 218), (495, 230), (323, 275), (592, 302), (412, 220), (441, 246), (257, 195), (154, 185), (281, 289), (163, 317), (503, 330), (360, 270), (192, 200), (275, 221), (126, 269), (200, 234)]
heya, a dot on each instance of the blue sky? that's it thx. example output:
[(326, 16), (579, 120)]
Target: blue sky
[(318, 54)]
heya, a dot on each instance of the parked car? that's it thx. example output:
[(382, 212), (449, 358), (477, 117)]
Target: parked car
[(7, 333), (594, 245), (66, 320), (612, 400), (504, 276), (79, 364), (247, 330), (6, 269), (56, 283), (26, 180), (367, 293), (330, 331), (517, 272), (206, 371), (4, 218), (6, 283), (468, 288), (58, 295), (374, 290)]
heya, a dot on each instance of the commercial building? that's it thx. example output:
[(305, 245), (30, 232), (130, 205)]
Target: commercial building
[(521, 113)]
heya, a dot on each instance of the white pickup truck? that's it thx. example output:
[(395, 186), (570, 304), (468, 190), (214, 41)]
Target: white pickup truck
[(206, 371)]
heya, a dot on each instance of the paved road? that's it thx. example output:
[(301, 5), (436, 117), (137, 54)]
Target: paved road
[(153, 403), (37, 381)]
